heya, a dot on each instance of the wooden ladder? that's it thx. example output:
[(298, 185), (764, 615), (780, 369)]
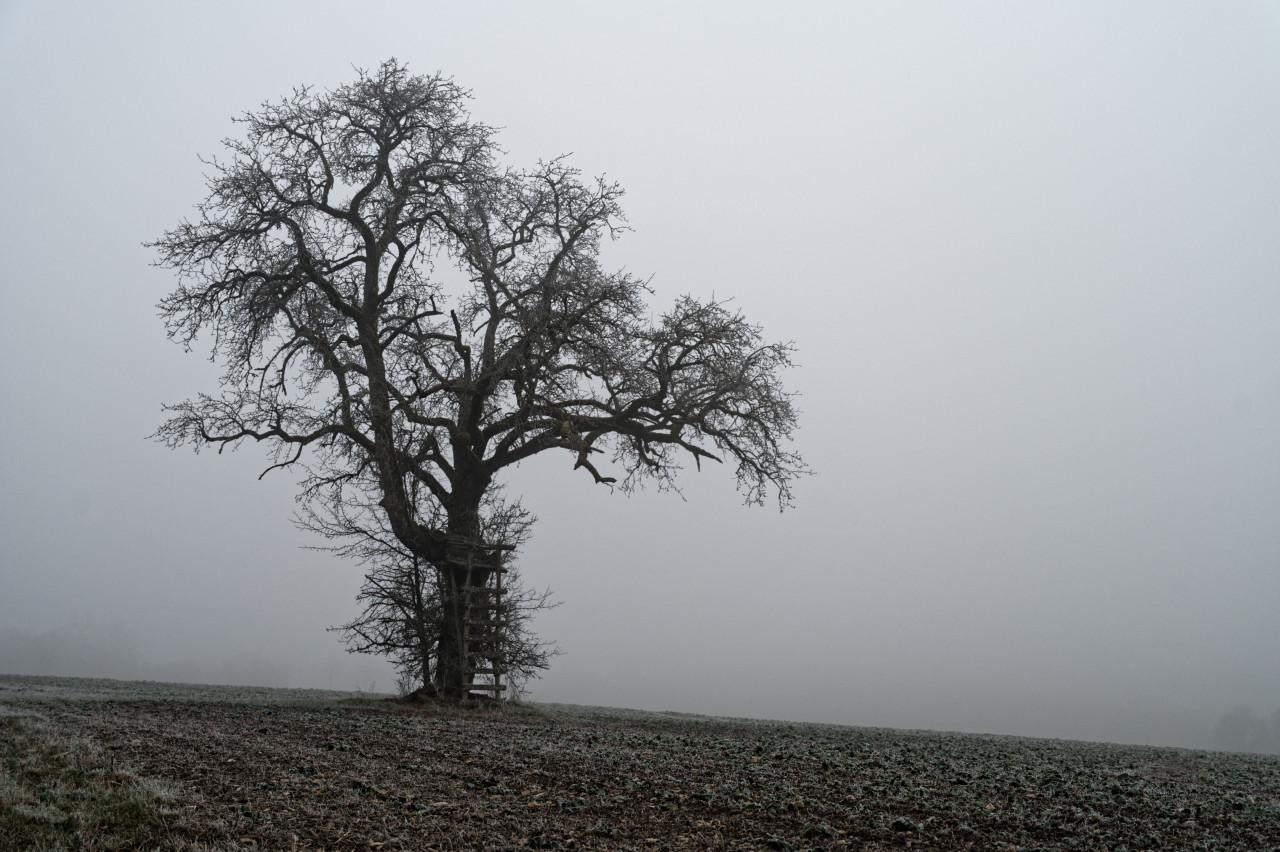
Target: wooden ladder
[(483, 621)]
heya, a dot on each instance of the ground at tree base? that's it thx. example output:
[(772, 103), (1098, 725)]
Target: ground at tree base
[(233, 768)]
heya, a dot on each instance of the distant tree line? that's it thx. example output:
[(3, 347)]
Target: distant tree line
[(1241, 729)]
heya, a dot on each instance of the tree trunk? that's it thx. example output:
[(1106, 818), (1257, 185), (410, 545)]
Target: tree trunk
[(422, 626), (452, 676)]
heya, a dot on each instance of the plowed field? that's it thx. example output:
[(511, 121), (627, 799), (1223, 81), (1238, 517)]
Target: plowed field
[(288, 770)]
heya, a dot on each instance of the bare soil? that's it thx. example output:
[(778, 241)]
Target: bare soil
[(346, 774)]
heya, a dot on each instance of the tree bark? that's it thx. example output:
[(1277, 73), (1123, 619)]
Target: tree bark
[(420, 625), (463, 525)]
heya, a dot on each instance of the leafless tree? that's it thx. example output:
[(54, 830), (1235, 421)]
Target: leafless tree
[(316, 265), (403, 597)]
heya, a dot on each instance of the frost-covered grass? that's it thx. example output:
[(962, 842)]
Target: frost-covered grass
[(61, 791), (31, 688), (311, 770), (66, 793)]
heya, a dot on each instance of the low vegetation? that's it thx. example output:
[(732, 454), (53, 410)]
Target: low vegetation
[(308, 770), (64, 792)]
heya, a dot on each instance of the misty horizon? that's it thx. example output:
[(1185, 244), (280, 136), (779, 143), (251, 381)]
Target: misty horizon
[(1027, 256)]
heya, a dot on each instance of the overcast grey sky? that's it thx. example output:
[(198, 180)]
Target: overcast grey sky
[(1029, 255)]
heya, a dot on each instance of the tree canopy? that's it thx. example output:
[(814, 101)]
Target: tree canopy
[(318, 267)]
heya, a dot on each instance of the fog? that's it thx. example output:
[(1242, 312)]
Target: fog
[(1028, 255)]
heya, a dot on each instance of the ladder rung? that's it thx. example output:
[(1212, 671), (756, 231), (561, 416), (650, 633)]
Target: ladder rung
[(485, 622)]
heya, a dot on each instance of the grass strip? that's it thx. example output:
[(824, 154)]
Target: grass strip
[(65, 793)]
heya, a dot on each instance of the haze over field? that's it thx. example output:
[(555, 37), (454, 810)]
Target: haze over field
[(1028, 255)]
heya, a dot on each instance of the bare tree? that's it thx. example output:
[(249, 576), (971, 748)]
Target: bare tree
[(403, 596), (312, 265)]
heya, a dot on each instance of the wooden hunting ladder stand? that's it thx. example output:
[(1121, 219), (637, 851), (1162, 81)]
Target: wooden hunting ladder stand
[(482, 617)]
